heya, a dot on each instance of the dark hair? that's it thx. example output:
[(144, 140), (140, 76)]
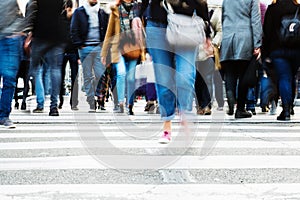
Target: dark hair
[(68, 3)]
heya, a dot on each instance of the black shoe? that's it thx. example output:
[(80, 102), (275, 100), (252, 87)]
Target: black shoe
[(242, 114), (130, 112), (60, 105), (17, 105), (285, 115), (231, 102), (292, 112), (53, 112), (23, 106)]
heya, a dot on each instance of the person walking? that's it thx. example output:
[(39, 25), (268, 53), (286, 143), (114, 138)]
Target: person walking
[(70, 55), (88, 28), (48, 45), (284, 57), (174, 67), (11, 29), (241, 41), (120, 32)]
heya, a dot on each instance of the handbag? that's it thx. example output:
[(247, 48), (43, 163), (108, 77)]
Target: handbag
[(250, 78), (183, 30), (131, 51), (290, 30)]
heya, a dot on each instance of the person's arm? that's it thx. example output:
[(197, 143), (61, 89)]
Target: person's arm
[(75, 30), (30, 15), (256, 27)]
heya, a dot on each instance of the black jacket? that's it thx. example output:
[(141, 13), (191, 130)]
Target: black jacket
[(80, 26), (45, 19), (272, 23)]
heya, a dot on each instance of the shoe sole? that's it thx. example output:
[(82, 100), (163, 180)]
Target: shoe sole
[(163, 141), (8, 127)]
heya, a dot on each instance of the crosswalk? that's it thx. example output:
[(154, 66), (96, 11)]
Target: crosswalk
[(105, 156)]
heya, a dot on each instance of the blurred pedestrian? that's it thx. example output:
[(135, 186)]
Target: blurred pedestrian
[(285, 57), (88, 28), (11, 27), (241, 41)]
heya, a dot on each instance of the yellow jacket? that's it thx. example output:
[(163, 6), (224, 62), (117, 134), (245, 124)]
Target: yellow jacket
[(112, 37)]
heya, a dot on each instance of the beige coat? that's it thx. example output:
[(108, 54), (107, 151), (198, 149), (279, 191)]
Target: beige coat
[(112, 37)]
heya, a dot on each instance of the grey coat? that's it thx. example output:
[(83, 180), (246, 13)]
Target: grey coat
[(242, 29)]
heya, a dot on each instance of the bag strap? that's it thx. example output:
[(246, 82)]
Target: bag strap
[(296, 14), (167, 6)]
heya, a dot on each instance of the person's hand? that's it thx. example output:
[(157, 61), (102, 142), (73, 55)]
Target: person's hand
[(103, 60), (257, 53)]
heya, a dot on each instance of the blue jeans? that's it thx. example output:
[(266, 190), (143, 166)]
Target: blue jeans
[(126, 71), (92, 69), (42, 84), (286, 63), (174, 69), (9, 62), (51, 54)]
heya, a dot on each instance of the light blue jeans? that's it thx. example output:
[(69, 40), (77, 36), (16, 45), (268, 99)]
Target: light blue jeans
[(92, 69), (126, 74), (174, 69), (42, 84)]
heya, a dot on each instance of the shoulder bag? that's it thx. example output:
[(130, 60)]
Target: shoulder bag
[(184, 30)]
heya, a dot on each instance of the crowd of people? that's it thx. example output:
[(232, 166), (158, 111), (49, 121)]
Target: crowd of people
[(110, 44)]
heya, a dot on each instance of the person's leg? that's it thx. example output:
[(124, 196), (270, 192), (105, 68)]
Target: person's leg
[(130, 79), (285, 79), (62, 91), (26, 85), (39, 90), (113, 83), (88, 76), (230, 75), (98, 67), (54, 58), (9, 61), (164, 72), (185, 78), (241, 67), (73, 60), (251, 100), (204, 89), (219, 94), (121, 74)]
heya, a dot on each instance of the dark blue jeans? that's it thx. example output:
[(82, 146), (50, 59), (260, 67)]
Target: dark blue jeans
[(50, 53), (9, 65), (286, 63)]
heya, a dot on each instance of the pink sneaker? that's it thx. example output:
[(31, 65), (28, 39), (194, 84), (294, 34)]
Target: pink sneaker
[(165, 138)]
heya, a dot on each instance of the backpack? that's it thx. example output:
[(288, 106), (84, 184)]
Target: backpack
[(290, 30)]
